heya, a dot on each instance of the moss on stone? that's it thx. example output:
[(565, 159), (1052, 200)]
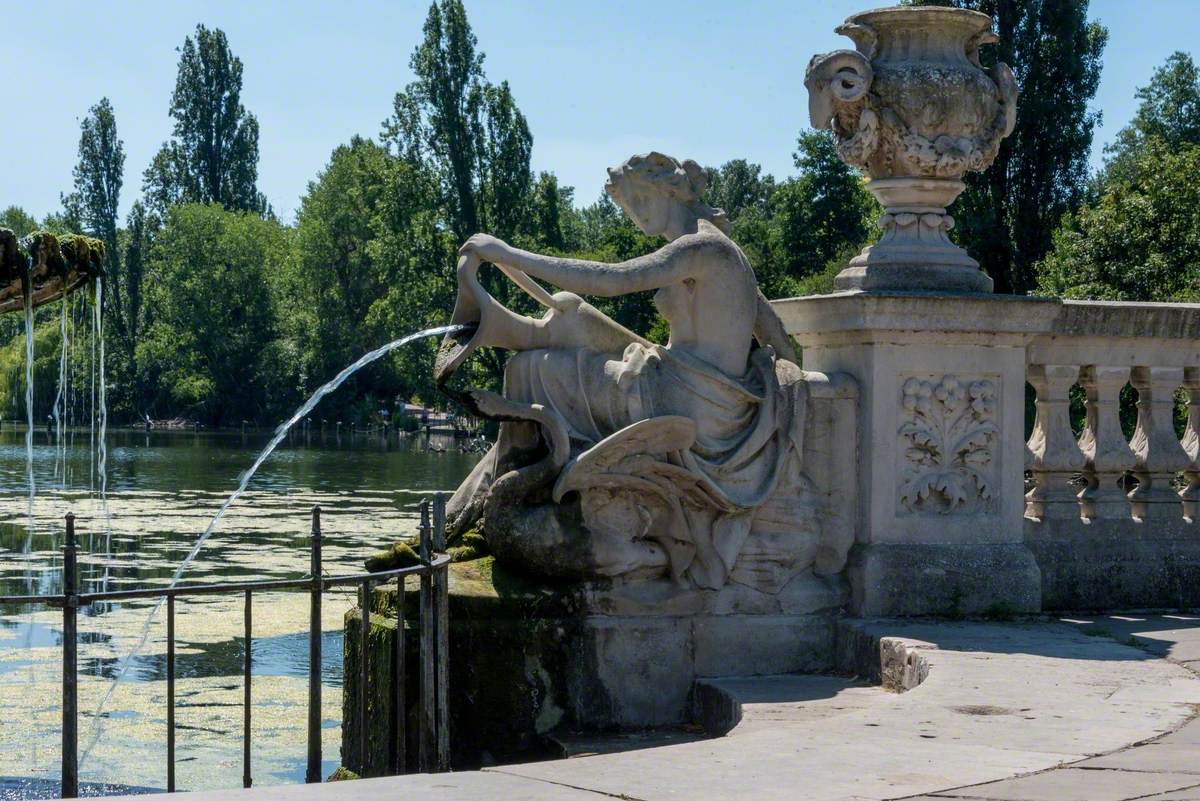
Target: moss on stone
[(399, 555), (342, 774), (471, 546)]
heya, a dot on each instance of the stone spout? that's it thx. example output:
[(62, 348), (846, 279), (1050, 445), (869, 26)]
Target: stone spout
[(913, 108), (46, 267)]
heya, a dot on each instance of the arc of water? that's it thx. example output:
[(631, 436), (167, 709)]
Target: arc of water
[(243, 482)]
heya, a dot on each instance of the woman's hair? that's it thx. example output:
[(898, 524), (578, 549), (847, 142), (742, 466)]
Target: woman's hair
[(684, 181)]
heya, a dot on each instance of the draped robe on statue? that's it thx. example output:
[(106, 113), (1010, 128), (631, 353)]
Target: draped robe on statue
[(712, 454)]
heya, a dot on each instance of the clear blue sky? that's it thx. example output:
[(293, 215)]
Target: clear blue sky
[(598, 80)]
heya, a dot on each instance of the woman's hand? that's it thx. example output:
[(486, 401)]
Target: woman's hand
[(488, 248)]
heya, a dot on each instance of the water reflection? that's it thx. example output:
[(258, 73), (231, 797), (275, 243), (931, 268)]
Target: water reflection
[(164, 486)]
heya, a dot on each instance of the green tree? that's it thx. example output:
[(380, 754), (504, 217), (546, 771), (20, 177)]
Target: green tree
[(1169, 112), (98, 178), (212, 156), (452, 123), (737, 187), (1008, 213), (17, 220), (816, 216), (371, 264), (1135, 242), (210, 348), (95, 203)]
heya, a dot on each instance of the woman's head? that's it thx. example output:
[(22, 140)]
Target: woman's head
[(655, 189)]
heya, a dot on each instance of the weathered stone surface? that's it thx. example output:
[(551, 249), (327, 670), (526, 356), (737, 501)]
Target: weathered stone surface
[(630, 672), (529, 658), (1073, 784), (914, 109), (890, 580), (618, 458), (1116, 563), (749, 645)]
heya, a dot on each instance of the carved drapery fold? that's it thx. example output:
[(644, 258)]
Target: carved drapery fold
[(1107, 456), (1191, 444), (1160, 456), (1057, 457)]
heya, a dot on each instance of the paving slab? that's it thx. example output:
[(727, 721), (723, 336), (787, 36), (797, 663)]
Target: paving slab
[(1019, 712), (999, 700), (1075, 784), (465, 786), (1159, 756)]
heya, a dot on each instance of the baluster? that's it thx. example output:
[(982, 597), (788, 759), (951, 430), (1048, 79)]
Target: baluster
[(1191, 444), (1107, 456), (1160, 456), (1056, 454)]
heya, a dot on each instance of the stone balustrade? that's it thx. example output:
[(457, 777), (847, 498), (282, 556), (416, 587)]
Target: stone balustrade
[(1107, 520), (1103, 348)]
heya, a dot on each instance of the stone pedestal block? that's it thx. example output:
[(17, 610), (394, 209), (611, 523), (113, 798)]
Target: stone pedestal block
[(530, 660), (944, 578), (941, 472)]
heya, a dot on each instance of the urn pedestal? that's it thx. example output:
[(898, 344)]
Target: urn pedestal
[(942, 447), (914, 109)]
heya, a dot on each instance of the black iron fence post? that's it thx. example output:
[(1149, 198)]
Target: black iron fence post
[(70, 700), (364, 681), (313, 774), (427, 719), (170, 693), (399, 747), (442, 603), (247, 666)]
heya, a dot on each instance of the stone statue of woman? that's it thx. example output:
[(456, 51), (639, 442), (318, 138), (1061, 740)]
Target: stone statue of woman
[(619, 457)]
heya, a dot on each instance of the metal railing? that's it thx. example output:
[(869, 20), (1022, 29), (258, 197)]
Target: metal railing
[(433, 742)]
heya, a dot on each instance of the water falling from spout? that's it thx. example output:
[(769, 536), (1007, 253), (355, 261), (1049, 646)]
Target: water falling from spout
[(243, 482), (59, 410), (102, 449), (29, 402)]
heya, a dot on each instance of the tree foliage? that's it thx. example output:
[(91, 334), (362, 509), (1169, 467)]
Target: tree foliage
[(212, 156), (1139, 239), (1169, 112), (210, 349), (1136, 241)]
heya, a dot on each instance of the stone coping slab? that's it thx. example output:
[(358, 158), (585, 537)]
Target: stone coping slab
[(998, 702)]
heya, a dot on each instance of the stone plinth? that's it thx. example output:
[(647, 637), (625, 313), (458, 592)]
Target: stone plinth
[(941, 471), (529, 660)]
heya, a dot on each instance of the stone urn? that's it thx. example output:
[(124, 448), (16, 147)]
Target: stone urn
[(912, 106)]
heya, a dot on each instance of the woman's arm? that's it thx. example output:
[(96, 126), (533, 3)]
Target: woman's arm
[(668, 265)]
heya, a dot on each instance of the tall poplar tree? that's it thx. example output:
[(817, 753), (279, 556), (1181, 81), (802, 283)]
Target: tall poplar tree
[(212, 156), (454, 124)]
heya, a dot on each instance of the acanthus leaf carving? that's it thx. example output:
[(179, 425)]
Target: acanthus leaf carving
[(949, 438)]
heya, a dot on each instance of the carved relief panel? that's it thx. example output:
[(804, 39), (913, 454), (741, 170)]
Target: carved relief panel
[(949, 450)]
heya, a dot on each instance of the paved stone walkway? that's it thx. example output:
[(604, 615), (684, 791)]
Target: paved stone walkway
[(1166, 768), (1097, 709)]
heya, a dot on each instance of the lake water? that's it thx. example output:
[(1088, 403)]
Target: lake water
[(163, 488)]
